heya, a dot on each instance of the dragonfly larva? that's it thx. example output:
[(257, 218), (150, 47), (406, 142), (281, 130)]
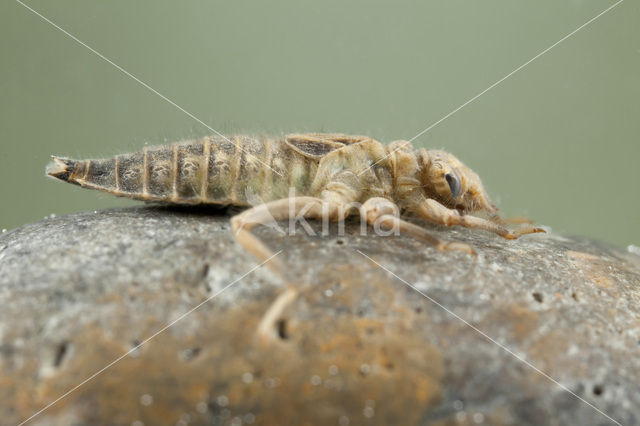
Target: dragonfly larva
[(334, 175)]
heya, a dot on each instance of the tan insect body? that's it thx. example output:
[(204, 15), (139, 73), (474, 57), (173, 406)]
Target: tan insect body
[(331, 173)]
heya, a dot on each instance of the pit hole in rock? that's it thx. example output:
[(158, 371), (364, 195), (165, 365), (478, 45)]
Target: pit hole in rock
[(205, 271), (418, 310), (191, 353), (61, 352), (281, 326), (598, 390), (339, 242), (538, 297), (574, 295)]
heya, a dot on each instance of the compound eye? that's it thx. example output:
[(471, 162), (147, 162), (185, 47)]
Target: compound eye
[(454, 184)]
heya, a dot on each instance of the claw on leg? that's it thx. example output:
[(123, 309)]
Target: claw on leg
[(516, 220), (527, 223), (437, 213), (451, 246), (519, 220), (524, 230), (529, 230)]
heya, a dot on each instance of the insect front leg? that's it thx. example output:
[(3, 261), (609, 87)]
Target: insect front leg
[(379, 211), (437, 213)]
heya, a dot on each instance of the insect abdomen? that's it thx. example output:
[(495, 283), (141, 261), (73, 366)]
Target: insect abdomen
[(210, 170)]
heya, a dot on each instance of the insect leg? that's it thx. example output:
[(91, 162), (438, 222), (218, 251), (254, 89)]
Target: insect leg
[(382, 212), (435, 212), (519, 220), (516, 220), (306, 207), (243, 223), (266, 326)]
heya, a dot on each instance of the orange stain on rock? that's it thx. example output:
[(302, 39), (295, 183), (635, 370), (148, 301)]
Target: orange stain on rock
[(595, 268)]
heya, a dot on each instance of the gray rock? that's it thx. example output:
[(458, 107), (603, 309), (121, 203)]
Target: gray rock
[(358, 346)]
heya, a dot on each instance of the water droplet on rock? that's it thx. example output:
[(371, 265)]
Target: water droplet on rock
[(146, 400), (222, 400), (368, 412), (247, 378), (495, 267), (478, 418), (630, 248)]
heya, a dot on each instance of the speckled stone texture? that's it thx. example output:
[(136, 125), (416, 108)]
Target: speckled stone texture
[(358, 346)]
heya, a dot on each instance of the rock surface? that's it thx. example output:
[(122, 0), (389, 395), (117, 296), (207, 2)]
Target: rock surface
[(358, 346)]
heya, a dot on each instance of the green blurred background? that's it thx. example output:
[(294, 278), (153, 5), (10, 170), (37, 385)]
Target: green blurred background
[(558, 141)]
